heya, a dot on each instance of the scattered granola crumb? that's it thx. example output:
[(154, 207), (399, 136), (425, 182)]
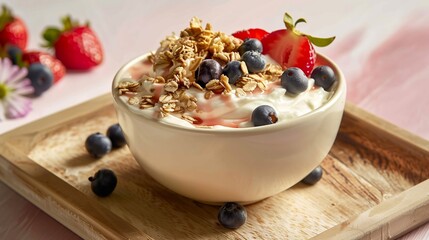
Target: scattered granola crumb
[(188, 118), (208, 94), (250, 86), (171, 86), (225, 84), (133, 100), (239, 92), (165, 98), (244, 68)]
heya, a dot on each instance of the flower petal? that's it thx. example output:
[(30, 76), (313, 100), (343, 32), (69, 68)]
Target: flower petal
[(2, 70), (17, 106), (24, 87), (6, 69), (15, 74), (14, 105)]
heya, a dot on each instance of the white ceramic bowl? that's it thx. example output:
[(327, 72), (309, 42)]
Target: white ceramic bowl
[(241, 165)]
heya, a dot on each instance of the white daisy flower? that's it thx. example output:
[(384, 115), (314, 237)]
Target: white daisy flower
[(14, 87)]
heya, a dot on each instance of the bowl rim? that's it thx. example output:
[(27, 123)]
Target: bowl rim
[(339, 92)]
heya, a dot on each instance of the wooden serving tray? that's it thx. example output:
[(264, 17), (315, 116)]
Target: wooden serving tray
[(374, 185)]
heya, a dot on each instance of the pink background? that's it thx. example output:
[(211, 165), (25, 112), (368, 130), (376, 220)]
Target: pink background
[(382, 47)]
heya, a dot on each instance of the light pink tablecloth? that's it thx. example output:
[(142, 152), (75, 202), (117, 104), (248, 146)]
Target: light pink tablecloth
[(382, 47)]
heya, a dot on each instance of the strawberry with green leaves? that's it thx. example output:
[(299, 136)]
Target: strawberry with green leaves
[(291, 48), (76, 45), (12, 30)]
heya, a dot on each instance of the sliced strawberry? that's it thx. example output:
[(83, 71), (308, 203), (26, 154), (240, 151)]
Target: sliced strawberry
[(250, 33), (12, 30), (57, 68), (290, 48)]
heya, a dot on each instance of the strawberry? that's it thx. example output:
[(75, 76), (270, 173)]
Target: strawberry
[(291, 48), (76, 46), (250, 33), (55, 65), (12, 30)]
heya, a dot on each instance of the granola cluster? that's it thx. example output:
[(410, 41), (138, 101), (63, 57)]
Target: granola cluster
[(175, 63)]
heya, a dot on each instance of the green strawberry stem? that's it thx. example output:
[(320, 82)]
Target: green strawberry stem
[(290, 25), (20, 62), (51, 34), (18, 58), (3, 52), (6, 16)]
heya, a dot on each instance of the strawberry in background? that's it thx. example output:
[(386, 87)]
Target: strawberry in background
[(12, 29), (75, 45), (44, 69), (55, 66)]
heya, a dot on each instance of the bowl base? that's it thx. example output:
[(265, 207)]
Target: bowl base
[(221, 203)]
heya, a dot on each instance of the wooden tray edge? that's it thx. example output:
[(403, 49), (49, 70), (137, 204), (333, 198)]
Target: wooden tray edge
[(60, 117), (388, 220), (388, 127)]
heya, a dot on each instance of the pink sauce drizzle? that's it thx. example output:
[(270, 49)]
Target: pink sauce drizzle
[(158, 88), (139, 69), (233, 123), (207, 106)]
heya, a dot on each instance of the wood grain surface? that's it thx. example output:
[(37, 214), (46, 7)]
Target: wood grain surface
[(371, 169)]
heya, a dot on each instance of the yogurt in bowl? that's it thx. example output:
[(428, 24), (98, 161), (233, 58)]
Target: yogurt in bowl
[(193, 128)]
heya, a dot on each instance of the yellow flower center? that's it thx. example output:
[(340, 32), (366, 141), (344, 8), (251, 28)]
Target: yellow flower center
[(4, 90)]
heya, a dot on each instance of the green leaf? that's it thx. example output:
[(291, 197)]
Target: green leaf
[(67, 23), (6, 16), (320, 42), (51, 34), (287, 19), (299, 21), (20, 62)]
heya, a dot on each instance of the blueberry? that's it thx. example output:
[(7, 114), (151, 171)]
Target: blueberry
[(232, 215), (250, 44), (98, 145), (103, 183), (233, 71), (313, 177), (41, 78), (264, 115), (323, 76), (116, 136), (255, 61), (209, 69), (294, 80), (14, 53)]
